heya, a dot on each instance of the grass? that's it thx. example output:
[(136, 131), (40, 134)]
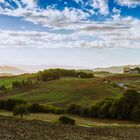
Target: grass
[(124, 77), (66, 91), (7, 81)]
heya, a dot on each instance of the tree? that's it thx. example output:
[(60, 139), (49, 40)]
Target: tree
[(75, 109), (104, 109), (21, 110), (135, 115), (93, 110)]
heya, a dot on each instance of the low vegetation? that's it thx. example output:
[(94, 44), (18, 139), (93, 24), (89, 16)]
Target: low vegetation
[(66, 120), (122, 108), (20, 110)]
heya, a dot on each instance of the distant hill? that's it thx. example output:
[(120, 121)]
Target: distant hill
[(10, 70), (36, 68), (116, 69)]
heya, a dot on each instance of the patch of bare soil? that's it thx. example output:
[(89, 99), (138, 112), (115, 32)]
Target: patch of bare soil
[(16, 129)]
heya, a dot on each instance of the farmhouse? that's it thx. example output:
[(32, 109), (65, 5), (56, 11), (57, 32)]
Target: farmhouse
[(129, 70)]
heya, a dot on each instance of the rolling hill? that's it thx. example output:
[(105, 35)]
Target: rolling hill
[(65, 91), (10, 70), (115, 69)]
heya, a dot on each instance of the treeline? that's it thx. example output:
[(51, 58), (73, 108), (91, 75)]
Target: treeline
[(22, 83), (52, 74), (126, 107), (47, 75)]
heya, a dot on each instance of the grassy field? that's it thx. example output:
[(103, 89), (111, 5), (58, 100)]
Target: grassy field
[(7, 81), (131, 81), (124, 77), (66, 91)]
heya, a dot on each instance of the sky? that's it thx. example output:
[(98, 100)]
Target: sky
[(86, 33)]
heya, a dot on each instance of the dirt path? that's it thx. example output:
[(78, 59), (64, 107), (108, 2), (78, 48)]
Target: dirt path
[(16, 129)]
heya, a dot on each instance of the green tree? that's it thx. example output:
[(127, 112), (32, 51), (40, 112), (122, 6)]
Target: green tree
[(135, 115), (21, 110)]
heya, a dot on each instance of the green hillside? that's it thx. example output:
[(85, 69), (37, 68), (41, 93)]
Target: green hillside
[(65, 91)]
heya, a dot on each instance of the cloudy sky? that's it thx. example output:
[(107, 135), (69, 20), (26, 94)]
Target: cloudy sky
[(86, 33)]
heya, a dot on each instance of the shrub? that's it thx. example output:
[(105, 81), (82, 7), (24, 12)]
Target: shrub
[(135, 115), (60, 110), (114, 108), (36, 108), (81, 74), (93, 110), (104, 109), (50, 109), (11, 103), (66, 120), (21, 110), (75, 109)]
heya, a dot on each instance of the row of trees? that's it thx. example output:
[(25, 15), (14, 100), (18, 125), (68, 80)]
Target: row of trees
[(22, 83), (52, 74), (126, 107)]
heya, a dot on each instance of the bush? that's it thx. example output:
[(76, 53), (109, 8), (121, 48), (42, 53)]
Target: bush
[(66, 120), (21, 110), (135, 115), (36, 108), (84, 75), (103, 111), (114, 108), (75, 109), (50, 74), (11, 103), (93, 110)]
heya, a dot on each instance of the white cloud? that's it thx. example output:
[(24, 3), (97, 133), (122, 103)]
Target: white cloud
[(129, 3), (49, 17), (102, 5), (115, 33)]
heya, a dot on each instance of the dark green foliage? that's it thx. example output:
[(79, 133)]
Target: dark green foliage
[(74, 109), (84, 75), (11, 103), (103, 111), (85, 112), (125, 107), (22, 83), (36, 108), (2, 104), (21, 110), (67, 73), (135, 115), (132, 97), (121, 109), (114, 108), (66, 120), (3, 87), (52, 74), (93, 110)]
